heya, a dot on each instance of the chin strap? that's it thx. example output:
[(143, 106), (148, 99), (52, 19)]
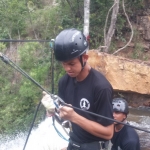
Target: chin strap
[(82, 64)]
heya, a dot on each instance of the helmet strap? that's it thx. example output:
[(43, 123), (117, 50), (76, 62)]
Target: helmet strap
[(82, 64)]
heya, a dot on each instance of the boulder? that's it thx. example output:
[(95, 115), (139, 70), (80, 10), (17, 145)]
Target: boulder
[(124, 74)]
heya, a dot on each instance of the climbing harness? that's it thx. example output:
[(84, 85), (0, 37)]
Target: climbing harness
[(53, 118)]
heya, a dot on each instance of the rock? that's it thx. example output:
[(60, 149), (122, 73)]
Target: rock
[(147, 104), (124, 74), (145, 47), (144, 22)]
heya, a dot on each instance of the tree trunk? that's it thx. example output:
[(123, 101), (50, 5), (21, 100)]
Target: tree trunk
[(86, 18), (111, 29)]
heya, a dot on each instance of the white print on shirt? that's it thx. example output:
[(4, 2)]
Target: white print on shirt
[(84, 104)]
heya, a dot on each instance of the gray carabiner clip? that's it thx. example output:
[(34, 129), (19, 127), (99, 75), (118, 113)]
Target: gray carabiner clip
[(57, 101)]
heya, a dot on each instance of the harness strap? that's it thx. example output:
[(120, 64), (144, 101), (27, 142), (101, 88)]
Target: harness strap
[(99, 145), (102, 145)]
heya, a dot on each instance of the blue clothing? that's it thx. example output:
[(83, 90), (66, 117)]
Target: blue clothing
[(125, 139)]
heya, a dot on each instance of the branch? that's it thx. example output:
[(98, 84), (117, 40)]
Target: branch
[(132, 32), (31, 20), (112, 25), (106, 22)]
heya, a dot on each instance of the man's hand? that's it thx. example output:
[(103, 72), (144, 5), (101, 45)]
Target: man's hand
[(66, 113), (48, 103)]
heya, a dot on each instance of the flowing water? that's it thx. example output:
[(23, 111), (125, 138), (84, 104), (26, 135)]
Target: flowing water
[(46, 138), (43, 138), (141, 118)]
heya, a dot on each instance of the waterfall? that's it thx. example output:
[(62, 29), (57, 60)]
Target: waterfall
[(44, 137)]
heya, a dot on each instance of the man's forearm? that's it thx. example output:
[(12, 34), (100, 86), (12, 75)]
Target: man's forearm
[(94, 128)]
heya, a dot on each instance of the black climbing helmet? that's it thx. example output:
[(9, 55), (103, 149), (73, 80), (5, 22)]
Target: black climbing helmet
[(120, 105), (69, 44)]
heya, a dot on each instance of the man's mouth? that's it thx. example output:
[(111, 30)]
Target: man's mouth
[(70, 73)]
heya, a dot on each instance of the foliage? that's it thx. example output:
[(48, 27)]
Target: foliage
[(22, 19), (12, 16), (137, 51), (23, 95), (46, 23), (2, 46)]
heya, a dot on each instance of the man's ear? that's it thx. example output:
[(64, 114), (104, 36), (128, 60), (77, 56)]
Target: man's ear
[(85, 57), (125, 116)]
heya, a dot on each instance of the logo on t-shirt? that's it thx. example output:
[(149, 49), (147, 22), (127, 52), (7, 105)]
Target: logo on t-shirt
[(84, 104), (119, 148)]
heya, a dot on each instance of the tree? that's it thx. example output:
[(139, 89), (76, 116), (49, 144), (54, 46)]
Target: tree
[(110, 33), (86, 18), (12, 16)]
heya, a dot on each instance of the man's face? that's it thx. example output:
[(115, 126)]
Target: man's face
[(72, 67), (119, 116)]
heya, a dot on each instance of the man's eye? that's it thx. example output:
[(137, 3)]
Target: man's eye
[(72, 64)]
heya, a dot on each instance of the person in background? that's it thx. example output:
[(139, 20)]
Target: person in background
[(85, 88), (125, 137)]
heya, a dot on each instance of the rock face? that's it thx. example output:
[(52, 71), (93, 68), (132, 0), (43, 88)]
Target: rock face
[(124, 74), (144, 22)]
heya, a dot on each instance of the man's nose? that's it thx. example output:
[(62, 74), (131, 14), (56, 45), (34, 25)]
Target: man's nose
[(67, 67)]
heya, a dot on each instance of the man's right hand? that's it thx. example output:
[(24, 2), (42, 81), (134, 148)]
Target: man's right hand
[(48, 103), (67, 113)]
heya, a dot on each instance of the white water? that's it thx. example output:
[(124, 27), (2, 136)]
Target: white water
[(43, 138), (140, 117)]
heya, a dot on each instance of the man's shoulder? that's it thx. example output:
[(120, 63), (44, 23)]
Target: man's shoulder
[(63, 78), (129, 138), (100, 79), (129, 129), (130, 133), (96, 72), (98, 75)]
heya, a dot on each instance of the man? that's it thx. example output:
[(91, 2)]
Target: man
[(85, 88), (125, 137)]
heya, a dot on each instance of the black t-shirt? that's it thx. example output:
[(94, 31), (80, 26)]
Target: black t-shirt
[(125, 139), (93, 94)]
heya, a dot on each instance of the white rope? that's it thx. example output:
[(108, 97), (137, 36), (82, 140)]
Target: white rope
[(130, 27)]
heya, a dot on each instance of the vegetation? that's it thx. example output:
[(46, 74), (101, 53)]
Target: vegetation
[(39, 19)]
